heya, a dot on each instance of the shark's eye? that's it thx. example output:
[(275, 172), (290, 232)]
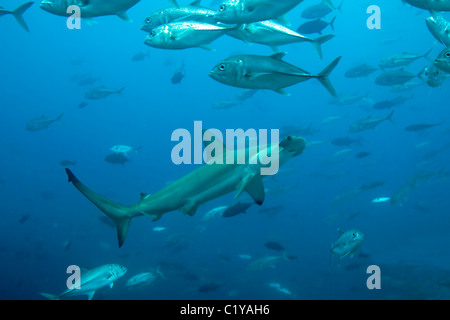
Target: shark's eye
[(222, 7), (222, 67)]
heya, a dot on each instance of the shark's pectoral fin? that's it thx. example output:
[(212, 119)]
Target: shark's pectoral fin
[(253, 185), (255, 188), (190, 208), (122, 225)]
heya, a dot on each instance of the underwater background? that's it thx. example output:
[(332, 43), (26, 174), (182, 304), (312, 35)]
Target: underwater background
[(47, 224)]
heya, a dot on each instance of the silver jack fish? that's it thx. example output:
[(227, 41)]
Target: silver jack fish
[(247, 11), (185, 34), (439, 28), (267, 72), (90, 8), (347, 243), (274, 34), (192, 12), (443, 60), (91, 281), (434, 5)]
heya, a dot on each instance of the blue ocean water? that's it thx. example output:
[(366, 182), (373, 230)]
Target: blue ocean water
[(48, 225)]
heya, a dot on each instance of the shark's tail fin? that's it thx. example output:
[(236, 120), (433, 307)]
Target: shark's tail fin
[(18, 14), (117, 212), (323, 76), (319, 41)]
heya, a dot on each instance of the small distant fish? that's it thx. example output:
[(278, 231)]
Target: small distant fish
[(345, 141), (24, 218), (347, 243), (211, 286), (124, 149), (236, 209), (402, 59), (41, 123), (278, 287), (144, 279), (244, 256), (381, 199), (66, 163), (315, 26), (178, 75), (421, 127), (362, 154), (140, 56), (225, 104), (273, 245), (394, 77), (101, 92), (368, 123), (91, 281), (363, 70), (158, 229), (117, 158), (214, 213), (82, 105)]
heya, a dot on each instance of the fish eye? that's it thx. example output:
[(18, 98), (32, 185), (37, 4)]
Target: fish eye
[(222, 7), (152, 34), (289, 138), (222, 67), (447, 54), (148, 20)]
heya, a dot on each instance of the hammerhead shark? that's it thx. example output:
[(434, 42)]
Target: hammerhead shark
[(205, 183)]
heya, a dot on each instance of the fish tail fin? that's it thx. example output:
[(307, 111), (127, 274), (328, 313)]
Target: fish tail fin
[(332, 23), (119, 213), (317, 43), (138, 148), (389, 117), (324, 74), (340, 6), (120, 90), (18, 14), (49, 296)]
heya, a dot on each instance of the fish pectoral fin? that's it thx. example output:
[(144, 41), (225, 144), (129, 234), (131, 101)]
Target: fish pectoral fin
[(124, 16), (190, 208), (283, 92)]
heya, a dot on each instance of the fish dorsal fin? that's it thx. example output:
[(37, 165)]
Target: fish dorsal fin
[(90, 295), (196, 3), (340, 231), (278, 56)]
